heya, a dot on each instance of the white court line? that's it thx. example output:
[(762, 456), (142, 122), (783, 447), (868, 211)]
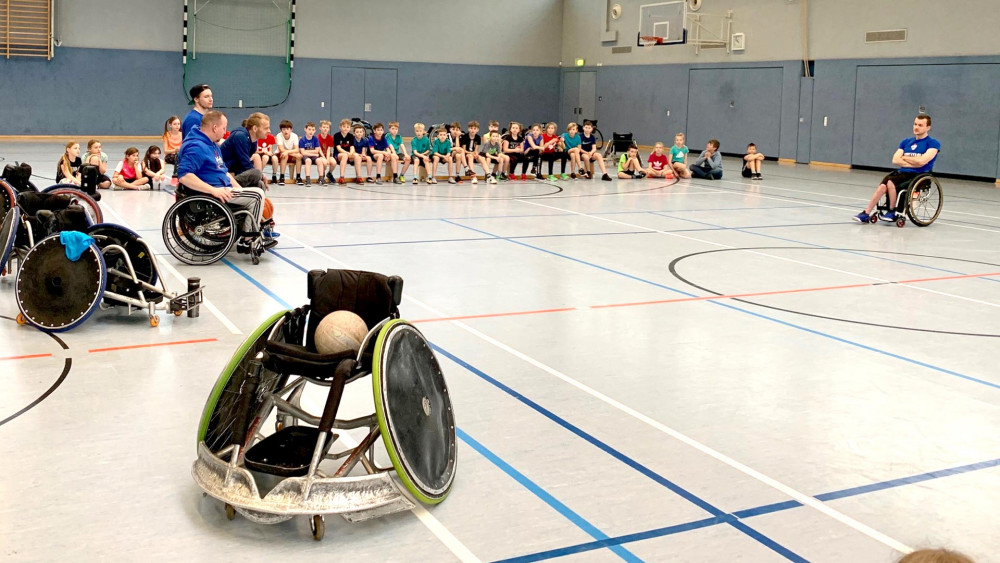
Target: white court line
[(426, 518), (802, 498), (204, 300), (765, 254)]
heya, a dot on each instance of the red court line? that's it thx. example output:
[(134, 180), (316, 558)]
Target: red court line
[(705, 298), (29, 356), (176, 343)]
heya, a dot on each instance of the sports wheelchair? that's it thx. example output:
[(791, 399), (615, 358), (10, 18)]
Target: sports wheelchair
[(920, 199), (262, 387), (200, 230), (55, 293), (620, 143)]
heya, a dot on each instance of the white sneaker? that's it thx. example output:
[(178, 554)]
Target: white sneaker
[(475, 179), (491, 180)]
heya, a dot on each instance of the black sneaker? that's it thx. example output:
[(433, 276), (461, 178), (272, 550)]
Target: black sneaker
[(281, 180), (269, 243), (298, 180), (606, 178), (274, 179), (329, 178)]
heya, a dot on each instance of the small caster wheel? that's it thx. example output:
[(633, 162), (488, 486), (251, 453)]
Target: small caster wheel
[(900, 222), (255, 259), (21, 320), (279, 426), (230, 512), (154, 321), (318, 526), (873, 219), (178, 313)]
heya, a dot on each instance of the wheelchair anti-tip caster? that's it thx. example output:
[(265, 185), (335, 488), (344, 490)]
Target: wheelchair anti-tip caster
[(230, 512), (901, 222), (317, 524), (154, 321), (21, 320), (873, 218)]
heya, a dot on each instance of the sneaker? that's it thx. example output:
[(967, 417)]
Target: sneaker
[(432, 180), (534, 171), (403, 179), (329, 178), (759, 177), (504, 177), (861, 217), (572, 175), (564, 177), (298, 180), (491, 180), (451, 181), (552, 178), (274, 179), (590, 175), (369, 180), (640, 175), (417, 181), (458, 179), (281, 181), (888, 216), (378, 179), (321, 182), (398, 180), (606, 178), (269, 232), (341, 180), (524, 177), (269, 243), (475, 180), (359, 181), (581, 172)]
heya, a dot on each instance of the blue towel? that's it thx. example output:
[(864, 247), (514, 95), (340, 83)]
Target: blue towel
[(76, 243)]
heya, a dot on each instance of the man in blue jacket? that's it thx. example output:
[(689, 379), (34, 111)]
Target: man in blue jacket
[(200, 168), (241, 146)]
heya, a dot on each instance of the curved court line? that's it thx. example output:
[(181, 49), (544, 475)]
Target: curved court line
[(67, 364)]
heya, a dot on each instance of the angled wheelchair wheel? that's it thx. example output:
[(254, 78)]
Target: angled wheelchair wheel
[(925, 200), (55, 293), (81, 198), (220, 419), (8, 233), (199, 230), (8, 198), (414, 411), (107, 235)]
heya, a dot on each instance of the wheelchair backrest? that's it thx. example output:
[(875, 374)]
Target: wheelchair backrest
[(373, 297)]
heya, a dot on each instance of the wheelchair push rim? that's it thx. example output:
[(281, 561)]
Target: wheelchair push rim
[(8, 233), (925, 201), (8, 198), (141, 259), (414, 411), (54, 293), (199, 230), (83, 199), (219, 414)]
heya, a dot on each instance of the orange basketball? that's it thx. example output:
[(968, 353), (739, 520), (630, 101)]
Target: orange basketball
[(268, 209)]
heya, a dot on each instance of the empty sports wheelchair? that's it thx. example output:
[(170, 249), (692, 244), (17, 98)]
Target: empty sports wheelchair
[(200, 230), (920, 199), (620, 143), (262, 453)]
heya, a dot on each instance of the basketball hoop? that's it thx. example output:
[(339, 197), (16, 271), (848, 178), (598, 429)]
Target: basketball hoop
[(650, 40)]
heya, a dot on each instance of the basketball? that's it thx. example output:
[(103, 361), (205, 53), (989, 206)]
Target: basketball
[(340, 331), (268, 209)]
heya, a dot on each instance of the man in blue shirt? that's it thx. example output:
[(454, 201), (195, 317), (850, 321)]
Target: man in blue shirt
[(915, 156), (201, 97), (238, 150), (200, 168)]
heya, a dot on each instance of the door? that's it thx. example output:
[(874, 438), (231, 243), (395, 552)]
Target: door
[(805, 119), (570, 96), (347, 97), (588, 97), (579, 96), (380, 95)]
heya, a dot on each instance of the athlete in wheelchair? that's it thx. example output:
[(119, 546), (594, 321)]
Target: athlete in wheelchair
[(213, 212), (262, 453), (68, 267), (912, 190)]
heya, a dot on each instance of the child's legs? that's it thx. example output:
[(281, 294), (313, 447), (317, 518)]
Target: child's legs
[(681, 170), (505, 163), (394, 164), (434, 166), (379, 158), (562, 161), (307, 165), (406, 164), (368, 165), (321, 166)]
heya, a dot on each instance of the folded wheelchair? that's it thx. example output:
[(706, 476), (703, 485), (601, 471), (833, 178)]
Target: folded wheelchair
[(200, 230), (267, 458), (920, 199), (55, 293)]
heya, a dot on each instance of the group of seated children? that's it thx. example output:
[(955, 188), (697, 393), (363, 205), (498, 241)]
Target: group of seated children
[(130, 174)]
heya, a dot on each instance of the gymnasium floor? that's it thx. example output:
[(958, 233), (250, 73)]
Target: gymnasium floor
[(706, 371)]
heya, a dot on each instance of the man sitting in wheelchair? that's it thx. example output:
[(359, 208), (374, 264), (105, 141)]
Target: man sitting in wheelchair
[(915, 156), (200, 168)]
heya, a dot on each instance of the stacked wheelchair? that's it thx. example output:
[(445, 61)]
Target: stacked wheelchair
[(920, 199), (200, 230), (55, 293), (262, 388)]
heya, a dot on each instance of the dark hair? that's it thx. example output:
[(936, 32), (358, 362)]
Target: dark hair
[(285, 124), (925, 117), (714, 143), (751, 145), (378, 126), (149, 155), (588, 122), (166, 125), (197, 89)]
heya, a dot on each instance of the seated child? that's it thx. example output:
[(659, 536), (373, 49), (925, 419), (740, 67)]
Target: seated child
[(310, 153), (659, 164), (343, 151), (457, 152), (512, 144), (68, 168), (491, 154), (709, 163), (361, 154), (265, 153), (572, 143), (378, 146), (171, 139), (154, 168), (629, 167), (95, 157), (533, 148), (442, 151), (679, 157), (326, 149), (552, 150), (420, 146), (287, 144), (752, 163), (589, 153), (469, 144), (399, 154), (128, 174)]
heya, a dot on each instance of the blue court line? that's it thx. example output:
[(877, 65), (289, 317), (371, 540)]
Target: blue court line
[(259, 285), (628, 461), (719, 303), (541, 493), (523, 480), (751, 512)]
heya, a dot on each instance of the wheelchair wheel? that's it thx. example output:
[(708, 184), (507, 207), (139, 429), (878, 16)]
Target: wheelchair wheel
[(414, 411), (219, 417), (108, 234), (199, 230), (55, 293), (8, 232), (8, 198), (925, 199), (81, 198)]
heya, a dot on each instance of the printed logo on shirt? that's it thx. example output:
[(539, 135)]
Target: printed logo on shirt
[(913, 147)]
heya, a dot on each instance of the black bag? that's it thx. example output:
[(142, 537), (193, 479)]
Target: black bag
[(19, 176)]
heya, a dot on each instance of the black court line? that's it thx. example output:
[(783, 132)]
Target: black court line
[(673, 271), (62, 377)]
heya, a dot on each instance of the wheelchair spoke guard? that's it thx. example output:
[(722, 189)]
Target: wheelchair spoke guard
[(55, 293), (8, 231), (8, 199), (219, 418), (81, 198), (106, 234), (414, 411)]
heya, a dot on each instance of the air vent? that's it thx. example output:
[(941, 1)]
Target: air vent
[(885, 35), (620, 50)]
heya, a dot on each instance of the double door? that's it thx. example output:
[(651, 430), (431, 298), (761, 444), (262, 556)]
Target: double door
[(579, 97)]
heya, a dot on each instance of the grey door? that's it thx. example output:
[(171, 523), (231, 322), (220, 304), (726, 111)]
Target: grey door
[(805, 119), (380, 95), (588, 97), (570, 97)]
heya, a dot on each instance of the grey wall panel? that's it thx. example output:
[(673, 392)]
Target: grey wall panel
[(736, 106), (833, 111), (380, 95), (805, 119), (636, 100), (961, 99), (347, 100)]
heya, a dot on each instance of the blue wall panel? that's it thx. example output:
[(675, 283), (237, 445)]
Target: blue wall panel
[(805, 119), (736, 106)]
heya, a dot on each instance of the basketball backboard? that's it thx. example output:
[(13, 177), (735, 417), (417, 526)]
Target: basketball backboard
[(663, 20)]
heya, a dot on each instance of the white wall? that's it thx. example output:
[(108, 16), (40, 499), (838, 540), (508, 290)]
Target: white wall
[(484, 32), (773, 30)]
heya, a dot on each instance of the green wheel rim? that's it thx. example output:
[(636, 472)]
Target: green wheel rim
[(227, 372)]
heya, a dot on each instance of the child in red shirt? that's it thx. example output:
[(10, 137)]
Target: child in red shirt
[(552, 150), (326, 149), (659, 164)]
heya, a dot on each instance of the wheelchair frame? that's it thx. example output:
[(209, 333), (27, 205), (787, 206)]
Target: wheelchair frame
[(188, 252), (920, 192)]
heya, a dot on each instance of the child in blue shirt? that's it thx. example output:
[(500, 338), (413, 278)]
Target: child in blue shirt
[(378, 146), (360, 148)]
